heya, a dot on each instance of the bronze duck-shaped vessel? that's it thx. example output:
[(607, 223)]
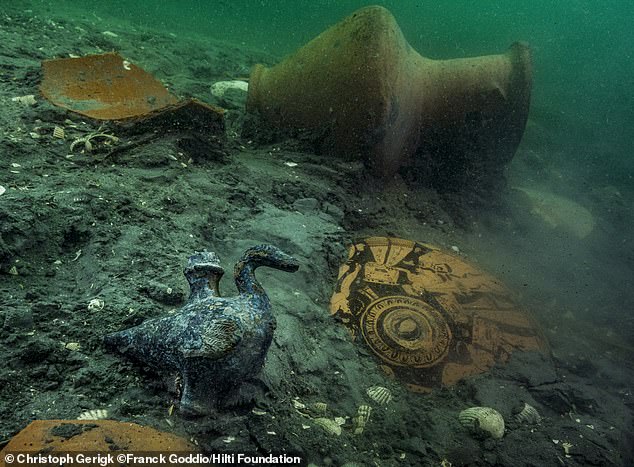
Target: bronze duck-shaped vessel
[(213, 344)]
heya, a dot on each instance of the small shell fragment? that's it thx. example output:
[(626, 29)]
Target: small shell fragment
[(566, 446), (379, 394), (332, 427), (58, 132), (290, 164), (94, 414), (28, 100), (297, 404), (528, 415), (318, 408), (361, 419), (483, 421), (96, 304), (74, 346), (2, 189)]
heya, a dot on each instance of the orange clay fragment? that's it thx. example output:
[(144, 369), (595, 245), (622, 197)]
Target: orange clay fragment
[(429, 317), (103, 87), (93, 436)]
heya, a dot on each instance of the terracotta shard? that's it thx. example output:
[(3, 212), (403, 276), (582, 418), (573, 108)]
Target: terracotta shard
[(103, 87), (371, 95), (96, 436), (107, 87), (431, 318)]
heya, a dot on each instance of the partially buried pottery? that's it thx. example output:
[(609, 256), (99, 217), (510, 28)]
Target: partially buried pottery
[(58, 437), (367, 94), (214, 345), (430, 317)]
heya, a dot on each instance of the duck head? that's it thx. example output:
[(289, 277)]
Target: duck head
[(261, 255), (271, 256)]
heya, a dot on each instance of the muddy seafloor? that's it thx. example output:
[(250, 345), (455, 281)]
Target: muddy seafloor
[(118, 225)]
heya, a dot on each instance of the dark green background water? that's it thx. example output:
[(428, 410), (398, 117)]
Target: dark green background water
[(582, 49)]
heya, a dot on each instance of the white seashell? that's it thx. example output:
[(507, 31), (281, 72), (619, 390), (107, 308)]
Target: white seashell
[(74, 346), (27, 100), (298, 404), (331, 427), (361, 419), (529, 415), (219, 88), (58, 132), (96, 304), (2, 189), (379, 394), (319, 408), (95, 414), (483, 420)]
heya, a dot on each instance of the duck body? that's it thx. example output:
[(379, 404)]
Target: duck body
[(214, 344)]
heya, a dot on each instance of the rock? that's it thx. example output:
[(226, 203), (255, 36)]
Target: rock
[(306, 205), (18, 319)]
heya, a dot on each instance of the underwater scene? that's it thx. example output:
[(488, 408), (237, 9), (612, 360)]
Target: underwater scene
[(317, 233)]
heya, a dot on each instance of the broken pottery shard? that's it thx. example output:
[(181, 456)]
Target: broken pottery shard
[(430, 317), (367, 93), (64, 436), (214, 344), (107, 87), (104, 87)]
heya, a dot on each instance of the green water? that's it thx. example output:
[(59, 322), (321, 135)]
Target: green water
[(582, 49)]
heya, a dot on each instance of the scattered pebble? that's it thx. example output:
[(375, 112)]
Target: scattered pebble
[(73, 346), (96, 304), (27, 100)]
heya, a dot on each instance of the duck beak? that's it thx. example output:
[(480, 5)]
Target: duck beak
[(288, 264)]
